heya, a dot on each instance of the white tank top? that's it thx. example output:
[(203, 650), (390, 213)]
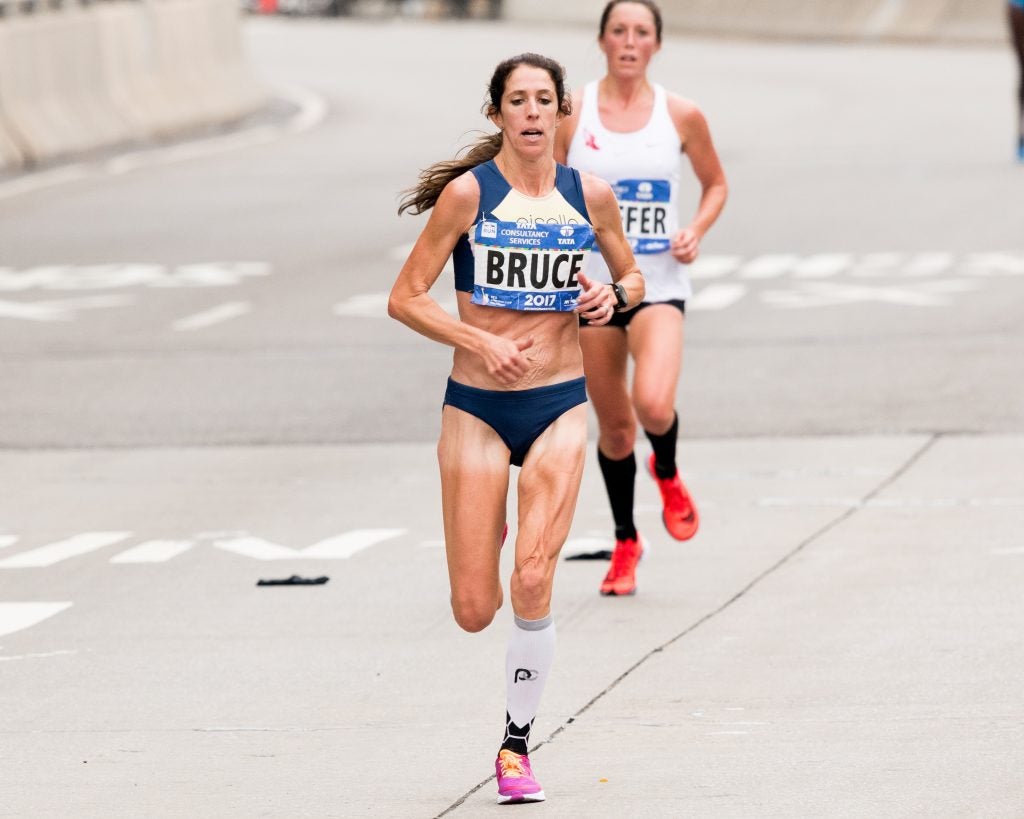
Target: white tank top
[(643, 169)]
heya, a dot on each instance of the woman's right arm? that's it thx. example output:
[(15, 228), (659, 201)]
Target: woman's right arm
[(410, 301)]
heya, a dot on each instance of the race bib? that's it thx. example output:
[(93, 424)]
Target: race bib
[(644, 205), (529, 268)]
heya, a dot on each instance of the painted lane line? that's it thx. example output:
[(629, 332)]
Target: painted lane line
[(59, 309), (769, 266), (62, 550), (215, 315), (135, 274), (18, 616), (822, 265), (375, 305), (154, 551), (58, 653), (716, 297), (713, 267), (7, 540), (340, 547)]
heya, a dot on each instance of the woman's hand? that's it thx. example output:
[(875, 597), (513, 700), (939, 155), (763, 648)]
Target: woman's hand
[(596, 302), (685, 246), (504, 358)]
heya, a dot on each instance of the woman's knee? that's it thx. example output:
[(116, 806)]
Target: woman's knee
[(531, 585), (655, 414), (618, 438), (473, 613)]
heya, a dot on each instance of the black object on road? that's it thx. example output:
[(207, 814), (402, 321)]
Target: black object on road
[(294, 580), (600, 554)]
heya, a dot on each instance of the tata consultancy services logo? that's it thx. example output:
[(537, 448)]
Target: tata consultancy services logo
[(566, 230), (645, 190)]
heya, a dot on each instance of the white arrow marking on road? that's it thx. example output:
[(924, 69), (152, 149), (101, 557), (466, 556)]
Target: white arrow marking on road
[(768, 266), (824, 294), (365, 305), (215, 315), (822, 265), (712, 267), (58, 309), (154, 551), (375, 305), (716, 297), (340, 547), (62, 550), (994, 264), (17, 616)]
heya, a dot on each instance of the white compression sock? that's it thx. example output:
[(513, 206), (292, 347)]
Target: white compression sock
[(531, 650)]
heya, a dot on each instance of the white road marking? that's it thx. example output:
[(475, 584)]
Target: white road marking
[(713, 267), (822, 265), (826, 294), (311, 111), (17, 616), (769, 266), (994, 264), (339, 547), (134, 274), (59, 309), (375, 305), (7, 540), (58, 653), (62, 550), (215, 315), (716, 297), (154, 551)]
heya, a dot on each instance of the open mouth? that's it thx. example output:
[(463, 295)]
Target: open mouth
[(532, 132)]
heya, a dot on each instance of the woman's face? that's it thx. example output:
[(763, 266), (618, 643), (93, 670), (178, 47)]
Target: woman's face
[(629, 40), (529, 111)]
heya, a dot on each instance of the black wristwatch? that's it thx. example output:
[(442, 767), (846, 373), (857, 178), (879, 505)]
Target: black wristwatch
[(621, 297)]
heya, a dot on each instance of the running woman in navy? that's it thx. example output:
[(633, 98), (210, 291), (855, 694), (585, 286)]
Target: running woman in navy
[(630, 132), (1015, 11), (520, 227)]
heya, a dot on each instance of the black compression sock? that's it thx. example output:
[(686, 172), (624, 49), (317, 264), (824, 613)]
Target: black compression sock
[(620, 482), (665, 449)]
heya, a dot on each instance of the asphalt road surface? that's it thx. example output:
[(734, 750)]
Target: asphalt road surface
[(201, 389)]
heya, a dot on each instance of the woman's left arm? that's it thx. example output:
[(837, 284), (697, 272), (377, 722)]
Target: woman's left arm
[(695, 137), (607, 222)]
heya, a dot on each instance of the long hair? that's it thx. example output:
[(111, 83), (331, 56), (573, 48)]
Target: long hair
[(648, 4), (423, 196)]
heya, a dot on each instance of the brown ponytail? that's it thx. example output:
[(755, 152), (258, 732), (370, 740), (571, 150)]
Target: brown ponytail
[(432, 181)]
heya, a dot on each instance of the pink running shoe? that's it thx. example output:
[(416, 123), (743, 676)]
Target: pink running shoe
[(515, 779), (679, 514), (621, 577)]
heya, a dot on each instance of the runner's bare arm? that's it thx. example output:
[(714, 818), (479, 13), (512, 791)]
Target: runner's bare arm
[(695, 137), (410, 301), (607, 222)]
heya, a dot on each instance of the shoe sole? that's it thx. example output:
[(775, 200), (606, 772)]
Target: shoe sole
[(618, 594), (518, 798)]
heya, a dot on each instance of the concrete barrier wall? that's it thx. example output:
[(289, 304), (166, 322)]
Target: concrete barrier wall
[(84, 77), (960, 21)]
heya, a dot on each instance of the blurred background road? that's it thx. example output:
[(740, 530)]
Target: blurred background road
[(201, 388)]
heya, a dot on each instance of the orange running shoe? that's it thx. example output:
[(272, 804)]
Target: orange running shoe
[(679, 514), (621, 577)]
